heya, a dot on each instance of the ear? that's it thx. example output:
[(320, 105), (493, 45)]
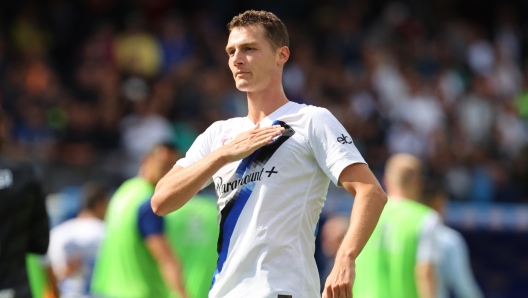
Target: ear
[(283, 55)]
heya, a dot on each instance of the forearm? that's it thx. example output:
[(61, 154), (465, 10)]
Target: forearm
[(171, 273), (425, 280), (51, 282), (368, 205), (181, 184)]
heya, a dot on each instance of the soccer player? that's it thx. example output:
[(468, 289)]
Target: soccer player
[(398, 260), (134, 260), (192, 232), (75, 242), (24, 224), (453, 267), (271, 171)]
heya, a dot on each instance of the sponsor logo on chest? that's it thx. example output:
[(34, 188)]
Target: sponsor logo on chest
[(222, 188)]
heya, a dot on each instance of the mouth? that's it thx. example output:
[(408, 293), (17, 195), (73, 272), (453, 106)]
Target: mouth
[(241, 73)]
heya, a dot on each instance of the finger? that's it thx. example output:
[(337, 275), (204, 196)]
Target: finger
[(349, 292), (337, 292), (262, 141), (328, 292), (267, 133), (270, 129)]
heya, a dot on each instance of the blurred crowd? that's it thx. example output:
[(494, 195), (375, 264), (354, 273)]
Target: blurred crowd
[(90, 86)]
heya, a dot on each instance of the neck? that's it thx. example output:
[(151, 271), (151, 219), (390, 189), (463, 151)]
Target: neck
[(401, 194), (146, 176), (85, 213), (262, 103)]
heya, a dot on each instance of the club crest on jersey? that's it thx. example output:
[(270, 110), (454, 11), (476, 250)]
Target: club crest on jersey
[(226, 141)]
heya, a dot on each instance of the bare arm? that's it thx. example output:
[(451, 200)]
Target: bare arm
[(369, 201), (181, 184), (427, 254), (425, 280), (167, 263), (52, 284)]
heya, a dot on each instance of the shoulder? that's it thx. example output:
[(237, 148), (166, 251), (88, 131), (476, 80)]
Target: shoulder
[(221, 125), (63, 228), (315, 112), (145, 207), (145, 212), (21, 166), (431, 217), (451, 236)]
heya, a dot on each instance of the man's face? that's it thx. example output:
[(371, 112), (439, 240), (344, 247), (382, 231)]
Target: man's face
[(252, 59)]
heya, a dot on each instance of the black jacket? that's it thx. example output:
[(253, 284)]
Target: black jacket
[(24, 225)]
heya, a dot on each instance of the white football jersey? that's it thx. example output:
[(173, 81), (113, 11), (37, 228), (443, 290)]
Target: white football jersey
[(269, 202)]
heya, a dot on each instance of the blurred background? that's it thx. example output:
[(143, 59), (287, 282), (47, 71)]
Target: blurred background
[(89, 86)]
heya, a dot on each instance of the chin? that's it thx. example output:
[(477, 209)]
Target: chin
[(244, 87)]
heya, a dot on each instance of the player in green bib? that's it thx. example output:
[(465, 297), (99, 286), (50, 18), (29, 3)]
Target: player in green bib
[(192, 232), (130, 265), (398, 260), (41, 279), (36, 275)]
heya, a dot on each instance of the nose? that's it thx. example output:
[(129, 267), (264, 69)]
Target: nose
[(237, 58)]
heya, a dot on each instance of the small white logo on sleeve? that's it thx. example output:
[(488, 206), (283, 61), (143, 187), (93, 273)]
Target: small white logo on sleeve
[(6, 178)]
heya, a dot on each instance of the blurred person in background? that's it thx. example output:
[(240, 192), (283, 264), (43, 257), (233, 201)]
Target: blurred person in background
[(41, 277), (399, 259), (75, 242), (192, 233), (332, 233), (24, 224), (134, 259), (453, 268)]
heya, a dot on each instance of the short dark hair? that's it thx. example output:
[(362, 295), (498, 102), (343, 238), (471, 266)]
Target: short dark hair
[(276, 31), (92, 194), (166, 145), (433, 190)]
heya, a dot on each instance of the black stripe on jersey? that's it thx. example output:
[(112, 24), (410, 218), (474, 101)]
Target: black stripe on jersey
[(263, 155)]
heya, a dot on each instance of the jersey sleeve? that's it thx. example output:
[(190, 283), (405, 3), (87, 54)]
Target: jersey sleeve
[(148, 222), (428, 249), (200, 148), (332, 146), (56, 255), (460, 277)]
